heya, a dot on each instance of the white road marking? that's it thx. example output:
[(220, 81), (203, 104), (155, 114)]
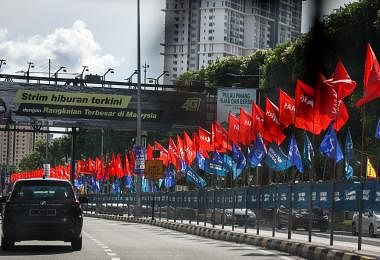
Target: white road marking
[(111, 254), (103, 246), (107, 250)]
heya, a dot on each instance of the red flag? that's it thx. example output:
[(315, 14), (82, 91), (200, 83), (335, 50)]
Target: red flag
[(189, 149), (245, 123), (273, 131), (204, 141), (195, 142), (180, 149), (149, 152), (341, 81), (81, 165), (220, 139), (326, 101), (99, 168), (119, 167), (173, 154), (287, 109), (164, 155), (371, 89), (257, 121), (342, 116), (307, 114), (127, 167), (233, 128), (90, 165)]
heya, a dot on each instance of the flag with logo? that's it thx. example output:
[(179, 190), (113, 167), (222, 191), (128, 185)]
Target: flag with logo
[(287, 109), (276, 159), (330, 146), (194, 178), (257, 152), (257, 121), (245, 123), (308, 152), (233, 128), (294, 154)]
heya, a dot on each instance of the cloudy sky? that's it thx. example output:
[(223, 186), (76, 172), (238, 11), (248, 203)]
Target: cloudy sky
[(96, 33)]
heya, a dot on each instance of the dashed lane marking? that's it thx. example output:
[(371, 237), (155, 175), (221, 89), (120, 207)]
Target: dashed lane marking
[(103, 246)]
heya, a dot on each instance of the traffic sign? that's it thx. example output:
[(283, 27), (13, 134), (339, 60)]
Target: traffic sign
[(154, 169)]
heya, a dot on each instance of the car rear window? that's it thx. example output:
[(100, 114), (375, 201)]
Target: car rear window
[(42, 190)]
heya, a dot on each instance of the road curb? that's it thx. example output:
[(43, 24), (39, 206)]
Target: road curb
[(306, 250)]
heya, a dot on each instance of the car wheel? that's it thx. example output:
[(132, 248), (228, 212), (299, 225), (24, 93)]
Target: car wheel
[(371, 231), (354, 233), (6, 244), (76, 244)]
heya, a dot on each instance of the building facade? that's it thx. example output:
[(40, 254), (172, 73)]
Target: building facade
[(16, 145), (198, 32)]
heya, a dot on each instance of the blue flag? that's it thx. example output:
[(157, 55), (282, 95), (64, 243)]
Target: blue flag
[(276, 159), (308, 152), (348, 147), (238, 157), (330, 146), (294, 154), (201, 161), (348, 155), (377, 134), (129, 182), (194, 178), (183, 166), (145, 185), (236, 172), (169, 179), (227, 163), (115, 186), (257, 152)]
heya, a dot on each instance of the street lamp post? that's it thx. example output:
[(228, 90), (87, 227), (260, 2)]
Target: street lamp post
[(145, 67), (30, 66), (63, 68), (85, 68), (129, 79), (104, 75), (2, 62), (138, 125)]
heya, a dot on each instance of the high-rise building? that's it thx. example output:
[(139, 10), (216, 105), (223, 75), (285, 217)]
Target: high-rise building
[(16, 145), (197, 32)]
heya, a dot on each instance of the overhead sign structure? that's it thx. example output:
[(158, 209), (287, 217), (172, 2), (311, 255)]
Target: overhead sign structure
[(95, 107), (154, 169), (232, 99)]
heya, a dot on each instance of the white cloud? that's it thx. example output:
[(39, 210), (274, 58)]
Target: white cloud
[(71, 47)]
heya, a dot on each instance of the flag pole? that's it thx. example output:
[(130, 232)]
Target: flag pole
[(360, 233)]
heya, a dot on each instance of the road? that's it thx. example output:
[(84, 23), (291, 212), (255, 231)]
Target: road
[(112, 240)]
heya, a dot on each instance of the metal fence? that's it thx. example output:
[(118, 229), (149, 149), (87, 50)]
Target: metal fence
[(250, 207)]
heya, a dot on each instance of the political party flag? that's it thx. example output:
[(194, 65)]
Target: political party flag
[(371, 172), (173, 154), (245, 123), (236, 172), (149, 152), (129, 182), (257, 152), (307, 116), (227, 163), (257, 121), (238, 157), (204, 141), (201, 161), (190, 153), (371, 87), (294, 154), (145, 185), (276, 159), (180, 149), (273, 130), (164, 154), (330, 146), (233, 128), (194, 178), (220, 137), (308, 152), (169, 179), (349, 146), (377, 134), (287, 109), (341, 81)]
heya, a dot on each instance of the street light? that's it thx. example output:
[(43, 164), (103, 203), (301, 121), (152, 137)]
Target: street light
[(129, 79), (104, 75), (2, 62), (63, 68), (145, 67), (155, 80), (30, 66), (85, 68)]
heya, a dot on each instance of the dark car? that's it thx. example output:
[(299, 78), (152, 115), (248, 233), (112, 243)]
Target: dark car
[(300, 219), (42, 209)]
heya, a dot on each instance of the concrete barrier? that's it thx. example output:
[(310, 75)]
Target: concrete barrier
[(306, 250)]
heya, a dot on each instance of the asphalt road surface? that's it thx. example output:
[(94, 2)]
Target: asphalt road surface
[(112, 240)]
